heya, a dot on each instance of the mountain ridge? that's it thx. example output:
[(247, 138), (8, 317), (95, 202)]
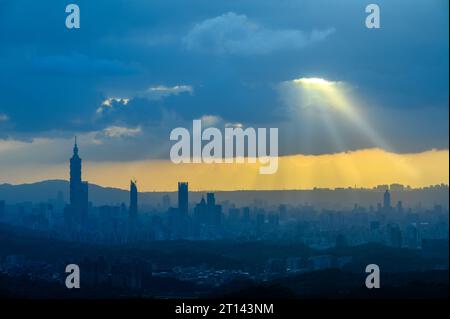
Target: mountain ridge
[(42, 191)]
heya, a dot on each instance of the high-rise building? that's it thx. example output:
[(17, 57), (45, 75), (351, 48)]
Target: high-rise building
[(210, 199), (387, 200), (200, 212), (183, 198), (133, 200), (78, 189), (207, 212)]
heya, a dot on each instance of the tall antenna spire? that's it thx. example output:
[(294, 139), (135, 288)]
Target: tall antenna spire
[(75, 146)]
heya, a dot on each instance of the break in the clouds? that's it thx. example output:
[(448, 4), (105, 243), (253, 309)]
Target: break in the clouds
[(233, 33), (160, 91), (120, 131), (111, 103)]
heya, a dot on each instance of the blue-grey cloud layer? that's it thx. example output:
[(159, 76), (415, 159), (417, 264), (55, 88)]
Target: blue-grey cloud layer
[(234, 54)]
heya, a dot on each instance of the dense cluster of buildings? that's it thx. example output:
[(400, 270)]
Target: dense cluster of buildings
[(421, 229), (387, 223)]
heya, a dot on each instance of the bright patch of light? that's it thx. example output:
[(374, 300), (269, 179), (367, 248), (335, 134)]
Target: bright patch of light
[(321, 93), (234, 125), (210, 120), (314, 81), (120, 131), (328, 99), (171, 90), (108, 103)]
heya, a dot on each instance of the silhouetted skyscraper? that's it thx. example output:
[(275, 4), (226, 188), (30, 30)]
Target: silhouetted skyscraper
[(207, 212), (210, 199), (133, 200), (214, 211), (75, 173), (387, 200), (133, 212), (200, 212), (183, 198), (78, 189)]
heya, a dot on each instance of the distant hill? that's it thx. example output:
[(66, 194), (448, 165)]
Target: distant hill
[(42, 191), (320, 198)]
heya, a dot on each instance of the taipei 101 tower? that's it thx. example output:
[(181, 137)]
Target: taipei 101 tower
[(78, 189)]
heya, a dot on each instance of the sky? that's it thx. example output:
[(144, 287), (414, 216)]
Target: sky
[(136, 69)]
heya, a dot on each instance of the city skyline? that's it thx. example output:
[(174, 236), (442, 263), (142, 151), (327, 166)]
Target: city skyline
[(353, 106), (358, 169), (193, 247), (235, 157), (76, 211)]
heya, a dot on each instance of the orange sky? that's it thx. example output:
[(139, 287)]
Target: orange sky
[(363, 168)]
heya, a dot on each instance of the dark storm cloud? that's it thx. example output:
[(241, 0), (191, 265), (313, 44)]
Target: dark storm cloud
[(77, 64), (234, 55)]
